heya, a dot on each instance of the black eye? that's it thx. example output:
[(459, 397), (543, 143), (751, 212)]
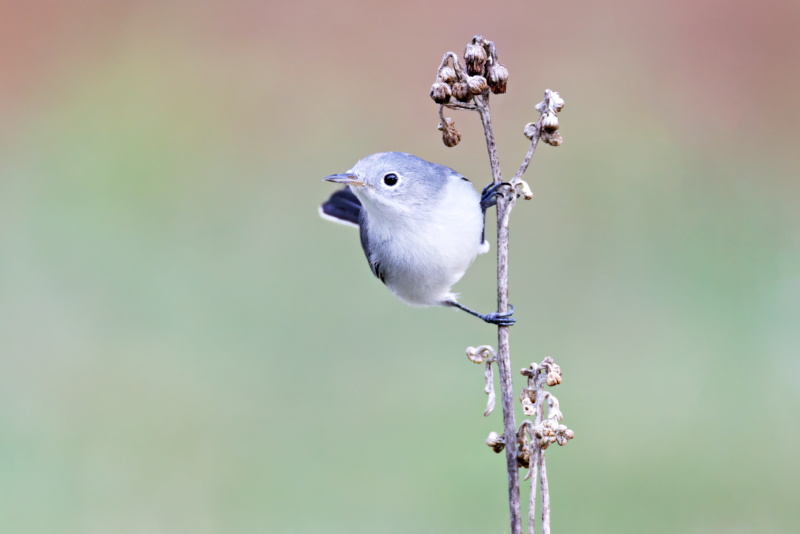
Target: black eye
[(390, 179)]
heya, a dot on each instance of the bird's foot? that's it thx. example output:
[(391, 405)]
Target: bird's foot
[(500, 319), (489, 195)]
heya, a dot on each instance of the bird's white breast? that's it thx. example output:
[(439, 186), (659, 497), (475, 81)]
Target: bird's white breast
[(424, 254)]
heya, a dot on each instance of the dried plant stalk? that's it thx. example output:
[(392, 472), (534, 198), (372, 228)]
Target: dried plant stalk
[(467, 87)]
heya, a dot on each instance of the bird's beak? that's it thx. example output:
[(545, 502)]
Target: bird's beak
[(349, 179)]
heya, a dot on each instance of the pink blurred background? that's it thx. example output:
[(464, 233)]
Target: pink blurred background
[(186, 347)]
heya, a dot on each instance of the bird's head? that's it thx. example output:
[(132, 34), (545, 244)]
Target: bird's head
[(395, 183)]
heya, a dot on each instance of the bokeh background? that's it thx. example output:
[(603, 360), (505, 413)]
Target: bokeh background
[(185, 346)]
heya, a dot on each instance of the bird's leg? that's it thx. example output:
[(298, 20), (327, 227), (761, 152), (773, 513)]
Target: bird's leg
[(500, 319)]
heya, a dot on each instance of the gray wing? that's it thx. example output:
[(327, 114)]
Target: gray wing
[(375, 266)]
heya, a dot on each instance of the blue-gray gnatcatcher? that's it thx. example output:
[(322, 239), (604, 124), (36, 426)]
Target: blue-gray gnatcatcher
[(421, 225)]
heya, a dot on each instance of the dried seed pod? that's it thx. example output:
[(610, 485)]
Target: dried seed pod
[(553, 379), (440, 93), (552, 138), (450, 136), (524, 458), (496, 442), (477, 84), (563, 434), (555, 139), (527, 393), (461, 92), (484, 352), (475, 58), (528, 407), (556, 102), (550, 122), (525, 190), (447, 75), (530, 130), (497, 77)]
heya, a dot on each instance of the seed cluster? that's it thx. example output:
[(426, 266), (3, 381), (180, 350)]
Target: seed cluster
[(480, 74), (547, 108)]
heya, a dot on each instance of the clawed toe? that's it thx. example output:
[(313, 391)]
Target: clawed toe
[(489, 194), (500, 319)]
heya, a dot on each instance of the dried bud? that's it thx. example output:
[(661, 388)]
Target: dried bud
[(477, 84), (482, 353), (524, 458), (556, 102), (553, 379), (528, 407), (461, 92), (527, 393), (552, 138), (530, 130), (497, 77), (495, 441), (563, 434), (440, 93), (525, 190), (450, 135), (475, 57), (447, 75), (550, 122), (552, 101)]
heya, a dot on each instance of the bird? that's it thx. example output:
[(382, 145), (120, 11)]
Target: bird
[(421, 225)]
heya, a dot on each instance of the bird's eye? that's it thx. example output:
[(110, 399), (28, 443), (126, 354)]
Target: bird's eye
[(390, 179)]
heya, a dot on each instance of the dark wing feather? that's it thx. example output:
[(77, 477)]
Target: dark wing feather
[(343, 206), (375, 266)]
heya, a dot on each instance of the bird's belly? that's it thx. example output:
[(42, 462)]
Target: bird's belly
[(420, 269)]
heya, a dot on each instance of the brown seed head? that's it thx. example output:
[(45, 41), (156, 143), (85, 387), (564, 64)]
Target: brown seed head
[(550, 122), (552, 138), (475, 58), (553, 379), (461, 92), (530, 130), (447, 75), (497, 77), (496, 442), (477, 84), (524, 458), (440, 93), (450, 136)]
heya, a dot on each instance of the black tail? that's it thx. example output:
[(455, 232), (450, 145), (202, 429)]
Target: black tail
[(342, 207)]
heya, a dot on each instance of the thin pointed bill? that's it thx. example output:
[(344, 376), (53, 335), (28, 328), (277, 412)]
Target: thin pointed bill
[(349, 179)]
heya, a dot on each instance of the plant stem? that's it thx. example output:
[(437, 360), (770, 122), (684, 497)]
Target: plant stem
[(503, 352), (532, 499), (545, 493)]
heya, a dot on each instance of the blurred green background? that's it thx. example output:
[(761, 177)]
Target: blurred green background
[(185, 346)]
